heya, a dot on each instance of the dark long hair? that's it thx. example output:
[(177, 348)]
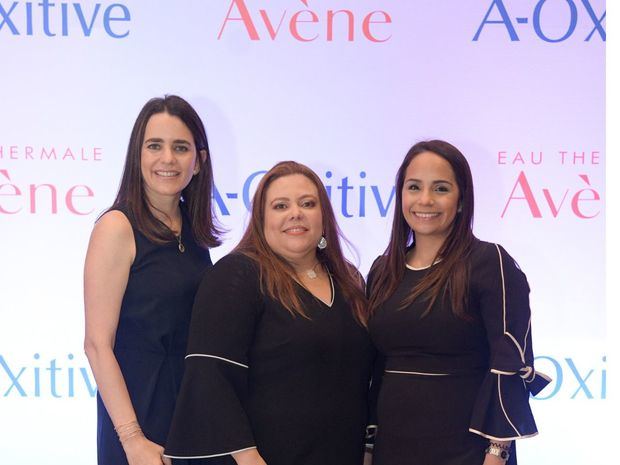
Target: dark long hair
[(450, 276), (277, 276), (197, 194)]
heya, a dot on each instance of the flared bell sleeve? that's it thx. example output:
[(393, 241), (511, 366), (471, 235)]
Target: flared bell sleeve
[(210, 416), (501, 410)]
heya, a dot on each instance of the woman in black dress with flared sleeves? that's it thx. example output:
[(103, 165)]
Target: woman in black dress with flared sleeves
[(451, 319), (279, 358)]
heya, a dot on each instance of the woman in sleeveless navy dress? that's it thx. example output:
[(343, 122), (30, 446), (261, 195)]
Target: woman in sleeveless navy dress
[(146, 257)]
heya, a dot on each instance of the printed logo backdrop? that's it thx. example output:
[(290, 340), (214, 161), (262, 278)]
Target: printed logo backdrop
[(344, 86)]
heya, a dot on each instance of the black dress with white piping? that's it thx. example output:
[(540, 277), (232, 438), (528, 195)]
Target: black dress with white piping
[(257, 376), (451, 385)]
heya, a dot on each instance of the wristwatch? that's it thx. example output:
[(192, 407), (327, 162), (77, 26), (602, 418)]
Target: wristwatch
[(498, 452)]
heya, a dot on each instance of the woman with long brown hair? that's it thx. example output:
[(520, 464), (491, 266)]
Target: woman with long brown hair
[(450, 316), (146, 257), (279, 357)]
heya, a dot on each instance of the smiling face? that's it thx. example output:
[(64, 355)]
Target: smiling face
[(293, 222), (430, 197), (168, 157)]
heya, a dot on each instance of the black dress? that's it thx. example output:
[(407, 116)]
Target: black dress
[(151, 337), (450, 385), (257, 376)]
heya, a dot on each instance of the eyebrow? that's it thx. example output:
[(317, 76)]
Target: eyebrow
[(176, 141), (438, 181), (305, 196)]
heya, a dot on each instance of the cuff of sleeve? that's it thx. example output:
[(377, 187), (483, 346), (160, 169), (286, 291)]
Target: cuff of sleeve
[(501, 410)]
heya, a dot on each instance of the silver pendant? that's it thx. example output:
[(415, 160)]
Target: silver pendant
[(311, 274)]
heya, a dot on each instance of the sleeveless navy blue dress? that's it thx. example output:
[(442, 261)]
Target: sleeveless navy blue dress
[(151, 338)]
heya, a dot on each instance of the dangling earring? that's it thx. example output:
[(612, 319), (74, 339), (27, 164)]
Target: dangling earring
[(460, 209), (322, 243)]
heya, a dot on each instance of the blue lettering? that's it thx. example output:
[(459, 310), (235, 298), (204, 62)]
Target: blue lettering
[(362, 197), (219, 201), (598, 27), (45, 5), (14, 379), (108, 18), (383, 209), (580, 380), (557, 378), (52, 19), (91, 387), (86, 28), (6, 18), (571, 26), (499, 4), (344, 187), (246, 188)]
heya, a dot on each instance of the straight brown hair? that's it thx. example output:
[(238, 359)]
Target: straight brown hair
[(196, 196), (449, 276), (277, 276)]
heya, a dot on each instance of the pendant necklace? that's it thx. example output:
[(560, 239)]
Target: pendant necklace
[(181, 246), (311, 273)]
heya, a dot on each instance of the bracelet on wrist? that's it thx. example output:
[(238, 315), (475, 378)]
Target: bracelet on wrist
[(499, 450), (128, 431)]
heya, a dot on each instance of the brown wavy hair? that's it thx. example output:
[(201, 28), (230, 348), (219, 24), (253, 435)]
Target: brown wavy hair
[(448, 277), (196, 196), (278, 276)]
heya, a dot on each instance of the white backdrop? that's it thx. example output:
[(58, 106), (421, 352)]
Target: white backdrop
[(344, 86)]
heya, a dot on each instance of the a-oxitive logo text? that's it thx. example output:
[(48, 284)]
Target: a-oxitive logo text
[(551, 20), (63, 19)]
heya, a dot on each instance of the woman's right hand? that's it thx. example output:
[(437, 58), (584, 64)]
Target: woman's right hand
[(248, 457), (141, 451)]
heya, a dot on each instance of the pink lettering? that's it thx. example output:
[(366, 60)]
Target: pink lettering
[(368, 21), (28, 150), (49, 155), (68, 154), (72, 194), (53, 197), (97, 152), (577, 199), (16, 193), (528, 196), (295, 21), (245, 17), (554, 210), (330, 24), (272, 32)]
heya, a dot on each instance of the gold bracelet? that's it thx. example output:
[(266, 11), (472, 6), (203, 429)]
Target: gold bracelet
[(127, 431)]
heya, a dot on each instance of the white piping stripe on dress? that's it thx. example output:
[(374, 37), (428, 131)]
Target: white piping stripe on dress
[(206, 456), (521, 353), (529, 326), (331, 282), (499, 372), (501, 270), (416, 373), (219, 358), (497, 438), (501, 403)]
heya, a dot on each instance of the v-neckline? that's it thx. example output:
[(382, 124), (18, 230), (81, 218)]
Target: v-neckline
[(333, 291)]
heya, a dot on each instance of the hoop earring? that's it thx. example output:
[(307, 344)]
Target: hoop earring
[(322, 243)]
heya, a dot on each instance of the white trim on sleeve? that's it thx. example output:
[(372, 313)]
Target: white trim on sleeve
[(218, 358), (206, 456)]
